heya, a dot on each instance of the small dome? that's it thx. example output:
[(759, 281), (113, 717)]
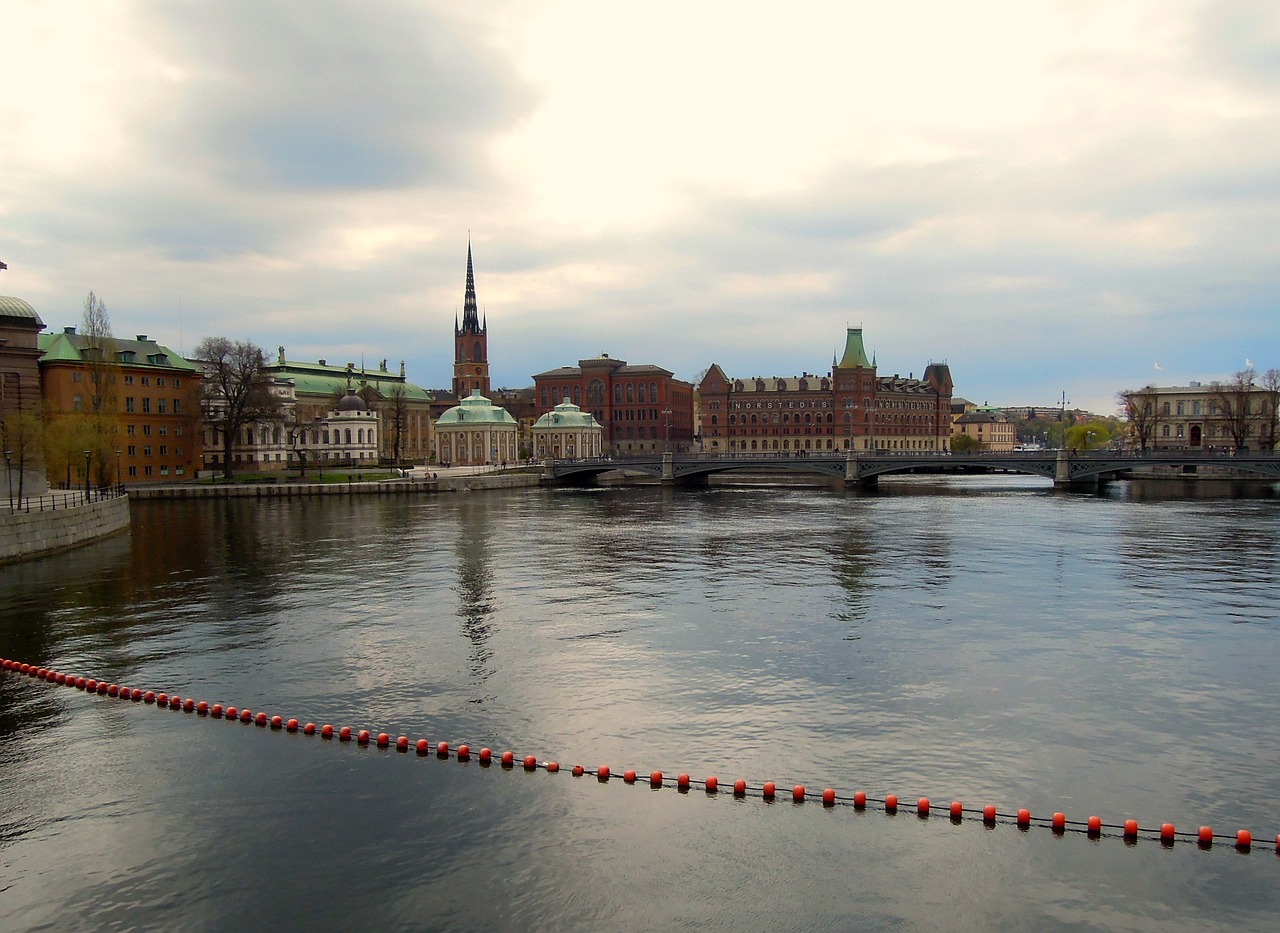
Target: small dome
[(352, 402), (475, 409), (17, 308)]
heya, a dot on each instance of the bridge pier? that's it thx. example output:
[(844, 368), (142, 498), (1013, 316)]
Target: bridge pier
[(1062, 474), (668, 467)]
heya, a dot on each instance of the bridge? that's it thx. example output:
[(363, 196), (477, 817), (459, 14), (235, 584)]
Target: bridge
[(1066, 468)]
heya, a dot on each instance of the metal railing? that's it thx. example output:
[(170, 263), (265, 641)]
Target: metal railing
[(62, 499)]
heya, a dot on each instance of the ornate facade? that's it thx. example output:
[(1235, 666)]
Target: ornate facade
[(850, 408)]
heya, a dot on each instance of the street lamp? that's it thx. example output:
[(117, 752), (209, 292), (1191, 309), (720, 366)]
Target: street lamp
[(8, 471), (88, 454), (119, 478), (667, 412)]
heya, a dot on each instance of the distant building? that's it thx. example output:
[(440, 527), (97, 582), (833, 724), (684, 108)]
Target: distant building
[(475, 432), (403, 409), (989, 426), (152, 392), (640, 408), (852, 407), (1194, 416), (567, 432)]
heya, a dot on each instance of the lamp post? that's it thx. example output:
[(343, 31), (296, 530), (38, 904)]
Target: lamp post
[(119, 478), (88, 455), (667, 413), (8, 471)]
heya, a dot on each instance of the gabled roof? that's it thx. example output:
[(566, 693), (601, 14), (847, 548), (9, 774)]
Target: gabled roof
[(70, 348)]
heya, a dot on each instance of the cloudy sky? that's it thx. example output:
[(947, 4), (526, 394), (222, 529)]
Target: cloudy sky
[(1050, 197)]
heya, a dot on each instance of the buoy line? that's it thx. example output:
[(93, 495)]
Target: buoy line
[(1094, 827)]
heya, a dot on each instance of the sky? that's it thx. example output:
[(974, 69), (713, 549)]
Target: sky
[(1058, 200)]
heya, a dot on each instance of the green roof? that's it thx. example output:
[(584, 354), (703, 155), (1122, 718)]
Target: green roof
[(475, 409), (855, 357), (566, 415), (315, 379), (68, 348)]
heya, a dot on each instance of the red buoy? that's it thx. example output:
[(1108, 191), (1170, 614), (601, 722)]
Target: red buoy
[(553, 766), (344, 734), (578, 771), (292, 725), (148, 697), (278, 721), (1059, 822), (326, 731), (135, 694), (363, 736), (797, 793), (860, 800), (402, 743), (246, 716), (464, 752), (1024, 817), (216, 710), (530, 762), (655, 779), (383, 740), (988, 814), (602, 772), (485, 755), (162, 699), (60, 680), (442, 749), (957, 810), (1244, 839), (922, 806), (768, 789), (309, 729), (629, 776), (202, 708), (1205, 836), (891, 803), (261, 719), (739, 788), (829, 797), (682, 780), (1095, 825), (113, 690), (423, 746), (508, 757), (188, 705), (711, 784), (102, 688), (1166, 832), (1130, 829)]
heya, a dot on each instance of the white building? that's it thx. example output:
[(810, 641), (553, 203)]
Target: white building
[(567, 432)]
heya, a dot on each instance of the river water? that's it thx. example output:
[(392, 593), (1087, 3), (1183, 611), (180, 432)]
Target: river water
[(976, 639)]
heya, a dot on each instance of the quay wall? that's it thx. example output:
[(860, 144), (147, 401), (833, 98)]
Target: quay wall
[(25, 535), (397, 487)]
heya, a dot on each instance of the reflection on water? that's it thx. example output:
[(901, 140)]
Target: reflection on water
[(983, 639)]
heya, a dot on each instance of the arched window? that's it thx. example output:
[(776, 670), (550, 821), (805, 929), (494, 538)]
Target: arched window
[(477, 353), (360, 436), (643, 395), (577, 395), (1164, 409), (1164, 431), (617, 395), (347, 433), (716, 420), (544, 396), (631, 394), (1195, 409), (653, 391), (595, 394)]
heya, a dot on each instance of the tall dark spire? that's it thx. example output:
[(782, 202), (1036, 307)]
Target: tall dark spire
[(470, 310)]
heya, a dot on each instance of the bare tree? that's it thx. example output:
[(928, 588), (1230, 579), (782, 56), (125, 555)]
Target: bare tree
[(1141, 409), (395, 413), (103, 367), (1271, 423), (1238, 406), (236, 390)]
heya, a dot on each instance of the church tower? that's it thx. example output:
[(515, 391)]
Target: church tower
[(470, 344)]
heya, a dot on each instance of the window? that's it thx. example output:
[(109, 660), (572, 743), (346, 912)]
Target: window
[(1195, 409), (544, 396), (146, 430), (164, 469), (159, 380), (146, 380), (128, 380), (76, 376), (129, 429), (133, 450), (160, 406), (1164, 409), (77, 403), (133, 471), (128, 404), (164, 429), (643, 394), (617, 395), (146, 406), (146, 471), (164, 450), (146, 451), (180, 470), (631, 394), (176, 383), (1181, 405), (653, 391)]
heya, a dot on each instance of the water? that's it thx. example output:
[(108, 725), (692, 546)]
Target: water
[(977, 639)]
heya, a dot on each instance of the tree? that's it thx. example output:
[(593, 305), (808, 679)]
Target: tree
[(396, 414), (1239, 405), (67, 435), (99, 354), (1140, 407), (235, 391), (963, 444), (22, 433), (1087, 436), (1271, 385)]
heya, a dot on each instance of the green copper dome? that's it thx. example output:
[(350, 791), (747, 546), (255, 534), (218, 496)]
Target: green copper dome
[(475, 409)]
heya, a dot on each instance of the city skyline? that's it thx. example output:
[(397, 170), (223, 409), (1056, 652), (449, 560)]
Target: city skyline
[(1051, 199)]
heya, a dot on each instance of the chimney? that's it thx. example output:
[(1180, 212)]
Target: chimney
[(69, 331), (141, 338)]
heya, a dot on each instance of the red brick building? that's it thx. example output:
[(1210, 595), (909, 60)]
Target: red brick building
[(852, 407), (642, 409)]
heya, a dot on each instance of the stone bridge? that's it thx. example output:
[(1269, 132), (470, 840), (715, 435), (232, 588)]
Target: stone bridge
[(1064, 467)]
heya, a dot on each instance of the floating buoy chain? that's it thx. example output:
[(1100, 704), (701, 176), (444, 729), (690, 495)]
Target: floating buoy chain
[(1094, 827)]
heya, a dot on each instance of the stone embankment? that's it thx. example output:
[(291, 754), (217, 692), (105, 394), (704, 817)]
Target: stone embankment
[(57, 522), (414, 485)]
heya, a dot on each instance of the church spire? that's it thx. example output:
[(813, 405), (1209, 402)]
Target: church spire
[(470, 310)]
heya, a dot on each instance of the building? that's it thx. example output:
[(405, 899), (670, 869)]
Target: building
[(20, 403), (344, 436), (850, 408), (470, 343), (403, 410), (567, 432), (641, 409), (476, 432), (132, 405), (989, 426), (1206, 416)]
